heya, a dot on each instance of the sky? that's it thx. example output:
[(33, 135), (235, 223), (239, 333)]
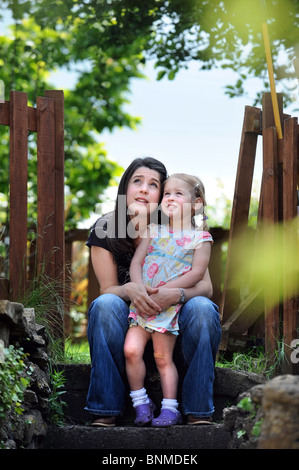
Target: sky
[(189, 123)]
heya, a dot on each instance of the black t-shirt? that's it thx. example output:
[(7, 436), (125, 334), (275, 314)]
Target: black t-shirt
[(98, 237)]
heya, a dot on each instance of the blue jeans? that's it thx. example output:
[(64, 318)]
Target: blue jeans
[(200, 332)]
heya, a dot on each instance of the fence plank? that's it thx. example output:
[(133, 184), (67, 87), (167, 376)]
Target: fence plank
[(18, 191), (290, 172), (46, 185), (270, 217), (4, 113), (58, 97), (240, 210)]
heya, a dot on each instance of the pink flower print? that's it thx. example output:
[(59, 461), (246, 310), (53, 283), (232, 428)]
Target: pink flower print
[(133, 315), (183, 241), (150, 249), (152, 270), (150, 317), (161, 283), (186, 269)]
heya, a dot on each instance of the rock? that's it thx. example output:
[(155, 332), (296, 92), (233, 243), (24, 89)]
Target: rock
[(243, 420), (19, 329), (11, 319), (280, 428), (35, 428)]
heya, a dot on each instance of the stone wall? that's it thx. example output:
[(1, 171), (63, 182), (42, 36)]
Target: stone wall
[(266, 416), (18, 328)]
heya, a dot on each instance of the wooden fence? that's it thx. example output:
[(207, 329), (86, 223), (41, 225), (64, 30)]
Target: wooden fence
[(278, 204), (47, 120)]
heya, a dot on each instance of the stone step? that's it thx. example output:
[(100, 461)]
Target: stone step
[(129, 437), (227, 387), (78, 434)]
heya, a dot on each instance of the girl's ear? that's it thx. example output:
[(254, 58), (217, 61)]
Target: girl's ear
[(197, 205)]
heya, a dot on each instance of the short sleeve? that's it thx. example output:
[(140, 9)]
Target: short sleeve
[(98, 234), (203, 236)]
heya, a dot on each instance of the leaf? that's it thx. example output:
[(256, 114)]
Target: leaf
[(161, 74)]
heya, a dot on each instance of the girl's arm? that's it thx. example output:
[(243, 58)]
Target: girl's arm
[(138, 258), (106, 273), (200, 264)]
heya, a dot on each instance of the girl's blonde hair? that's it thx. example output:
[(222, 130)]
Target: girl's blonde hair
[(196, 189)]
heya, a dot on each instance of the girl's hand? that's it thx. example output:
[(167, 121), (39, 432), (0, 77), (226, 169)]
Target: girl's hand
[(139, 294)]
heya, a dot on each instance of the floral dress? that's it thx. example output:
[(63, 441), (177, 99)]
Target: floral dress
[(169, 256)]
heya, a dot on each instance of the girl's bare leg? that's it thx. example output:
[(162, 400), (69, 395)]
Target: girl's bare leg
[(134, 346), (163, 344)]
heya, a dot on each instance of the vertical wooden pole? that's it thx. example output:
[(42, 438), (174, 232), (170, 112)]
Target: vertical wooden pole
[(46, 186), (59, 232), (58, 97), (240, 210), (18, 192), (290, 238), (270, 218)]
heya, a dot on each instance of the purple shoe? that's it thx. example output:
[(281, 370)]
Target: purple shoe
[(144, 414), (167, 418)]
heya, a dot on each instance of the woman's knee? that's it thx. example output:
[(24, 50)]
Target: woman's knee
[(108, 314), (199, 313)]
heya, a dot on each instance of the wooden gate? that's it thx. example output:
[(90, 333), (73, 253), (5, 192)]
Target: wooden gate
[(278, 204), (47, 120)]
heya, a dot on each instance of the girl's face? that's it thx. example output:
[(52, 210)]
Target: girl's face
[(178, 203), (143, 191)]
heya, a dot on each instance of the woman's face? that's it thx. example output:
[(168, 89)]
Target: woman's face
[(143, 192)]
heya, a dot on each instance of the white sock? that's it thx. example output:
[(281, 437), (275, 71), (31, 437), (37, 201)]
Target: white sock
[(139, 397), (170, 404)]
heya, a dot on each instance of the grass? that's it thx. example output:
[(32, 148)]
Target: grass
[(76, 352), (254, 361)]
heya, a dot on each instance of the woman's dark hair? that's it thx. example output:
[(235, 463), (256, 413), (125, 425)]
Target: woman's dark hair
[(119, 241)]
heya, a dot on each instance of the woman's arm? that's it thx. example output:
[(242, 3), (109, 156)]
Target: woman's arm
[(106, 273), (171, 296)]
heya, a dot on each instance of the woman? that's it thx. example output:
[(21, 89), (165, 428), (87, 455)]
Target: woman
[(113, 240)]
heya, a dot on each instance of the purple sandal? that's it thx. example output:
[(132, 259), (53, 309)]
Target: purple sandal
[(144, 414), (167, 418)]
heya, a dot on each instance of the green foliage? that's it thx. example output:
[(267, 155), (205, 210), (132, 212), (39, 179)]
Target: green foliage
[(246, 404), (14, 379), (106, 44), (56, 405), (253, 360)]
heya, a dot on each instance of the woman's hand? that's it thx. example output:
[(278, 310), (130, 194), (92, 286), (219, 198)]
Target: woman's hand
[(165, 297), (139, 295)]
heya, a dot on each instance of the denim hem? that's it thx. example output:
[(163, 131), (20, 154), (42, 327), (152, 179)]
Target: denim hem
[(196, 414), (102, 413)]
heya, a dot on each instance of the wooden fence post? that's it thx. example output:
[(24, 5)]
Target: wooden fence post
[(58, 97), (18, 122), (270, 219), (50, 189), (45, 186), (290, 238), (240, 210)]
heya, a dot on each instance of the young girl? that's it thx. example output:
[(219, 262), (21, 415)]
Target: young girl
[(176, 255)]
